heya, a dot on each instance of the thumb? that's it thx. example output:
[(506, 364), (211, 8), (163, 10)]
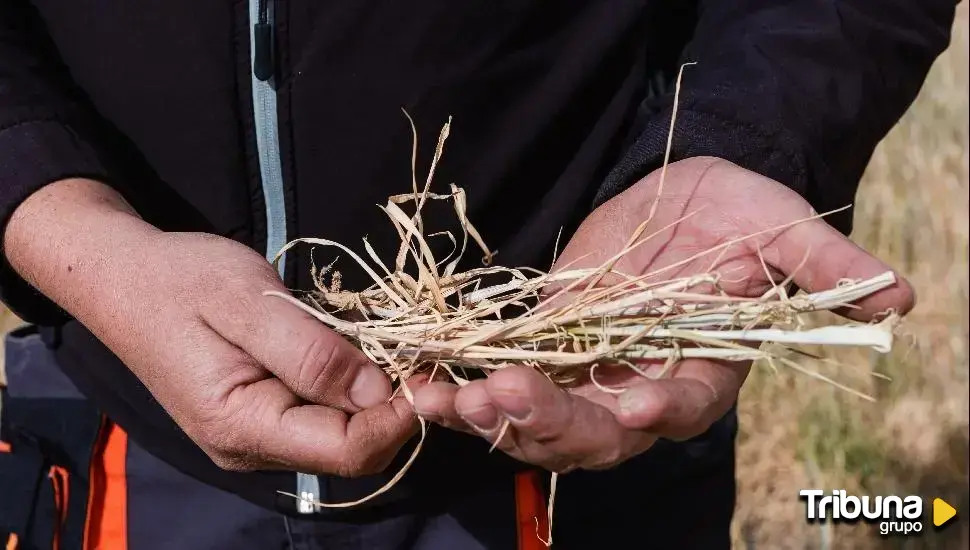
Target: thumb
[(817, 256), (314, 362)]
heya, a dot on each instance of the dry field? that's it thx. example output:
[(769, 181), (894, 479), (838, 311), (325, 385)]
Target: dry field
[(912, 211)]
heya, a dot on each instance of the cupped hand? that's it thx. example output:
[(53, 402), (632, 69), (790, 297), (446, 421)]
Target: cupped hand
[(705, 204), (255, 382)]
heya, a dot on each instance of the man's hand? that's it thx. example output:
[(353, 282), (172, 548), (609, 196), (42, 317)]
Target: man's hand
[(585, 427), (255, 382)]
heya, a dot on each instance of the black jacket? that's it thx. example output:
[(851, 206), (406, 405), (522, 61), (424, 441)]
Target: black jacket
[(556, 105)]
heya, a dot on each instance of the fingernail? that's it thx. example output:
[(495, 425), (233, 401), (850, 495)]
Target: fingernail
[(484, 418), (515, 407), (630, 403), (370, 388)]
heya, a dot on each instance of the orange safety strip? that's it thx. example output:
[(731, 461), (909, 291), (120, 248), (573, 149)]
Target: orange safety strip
[(106, 526), (60, 479), (532, 520), (5, 447), (12, 542)]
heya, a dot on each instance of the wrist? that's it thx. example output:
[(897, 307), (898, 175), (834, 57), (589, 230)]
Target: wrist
[(63, 237)]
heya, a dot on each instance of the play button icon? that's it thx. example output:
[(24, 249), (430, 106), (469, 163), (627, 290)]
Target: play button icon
[(942, 512)]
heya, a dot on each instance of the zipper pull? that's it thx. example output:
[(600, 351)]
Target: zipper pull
[(263, 58), (263, 54)]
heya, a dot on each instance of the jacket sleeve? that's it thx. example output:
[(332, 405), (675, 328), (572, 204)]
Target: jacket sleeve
[(800, 91), (46, 134)]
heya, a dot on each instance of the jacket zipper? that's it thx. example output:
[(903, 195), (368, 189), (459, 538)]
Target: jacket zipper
[(261, 14), (262, 41)]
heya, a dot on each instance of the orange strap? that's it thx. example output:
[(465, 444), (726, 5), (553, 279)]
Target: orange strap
[(61, 480), (106, 526), (12, 542), (532, 520)]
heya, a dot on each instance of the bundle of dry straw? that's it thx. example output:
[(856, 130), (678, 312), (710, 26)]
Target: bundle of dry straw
[(567, 322), (440, 319), (422, 314)]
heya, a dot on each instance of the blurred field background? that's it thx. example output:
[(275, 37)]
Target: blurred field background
[(796, 433)]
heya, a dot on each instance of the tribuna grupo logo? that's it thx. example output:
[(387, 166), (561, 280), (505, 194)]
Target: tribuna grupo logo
[(895, 515)]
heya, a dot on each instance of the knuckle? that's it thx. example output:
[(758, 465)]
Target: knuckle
[(232, 304), (605, 459), (317, 365), (233, 301), (353, 466), (350, 471), (225, 450), (544, 434), (709, 159), (348, 467), (552, 427), (371, 454), (230, 462), (227, 446), (374, 464), (223, 434), (614, 455)]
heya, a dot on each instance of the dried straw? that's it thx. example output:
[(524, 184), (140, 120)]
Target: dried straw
[(421, 314)]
